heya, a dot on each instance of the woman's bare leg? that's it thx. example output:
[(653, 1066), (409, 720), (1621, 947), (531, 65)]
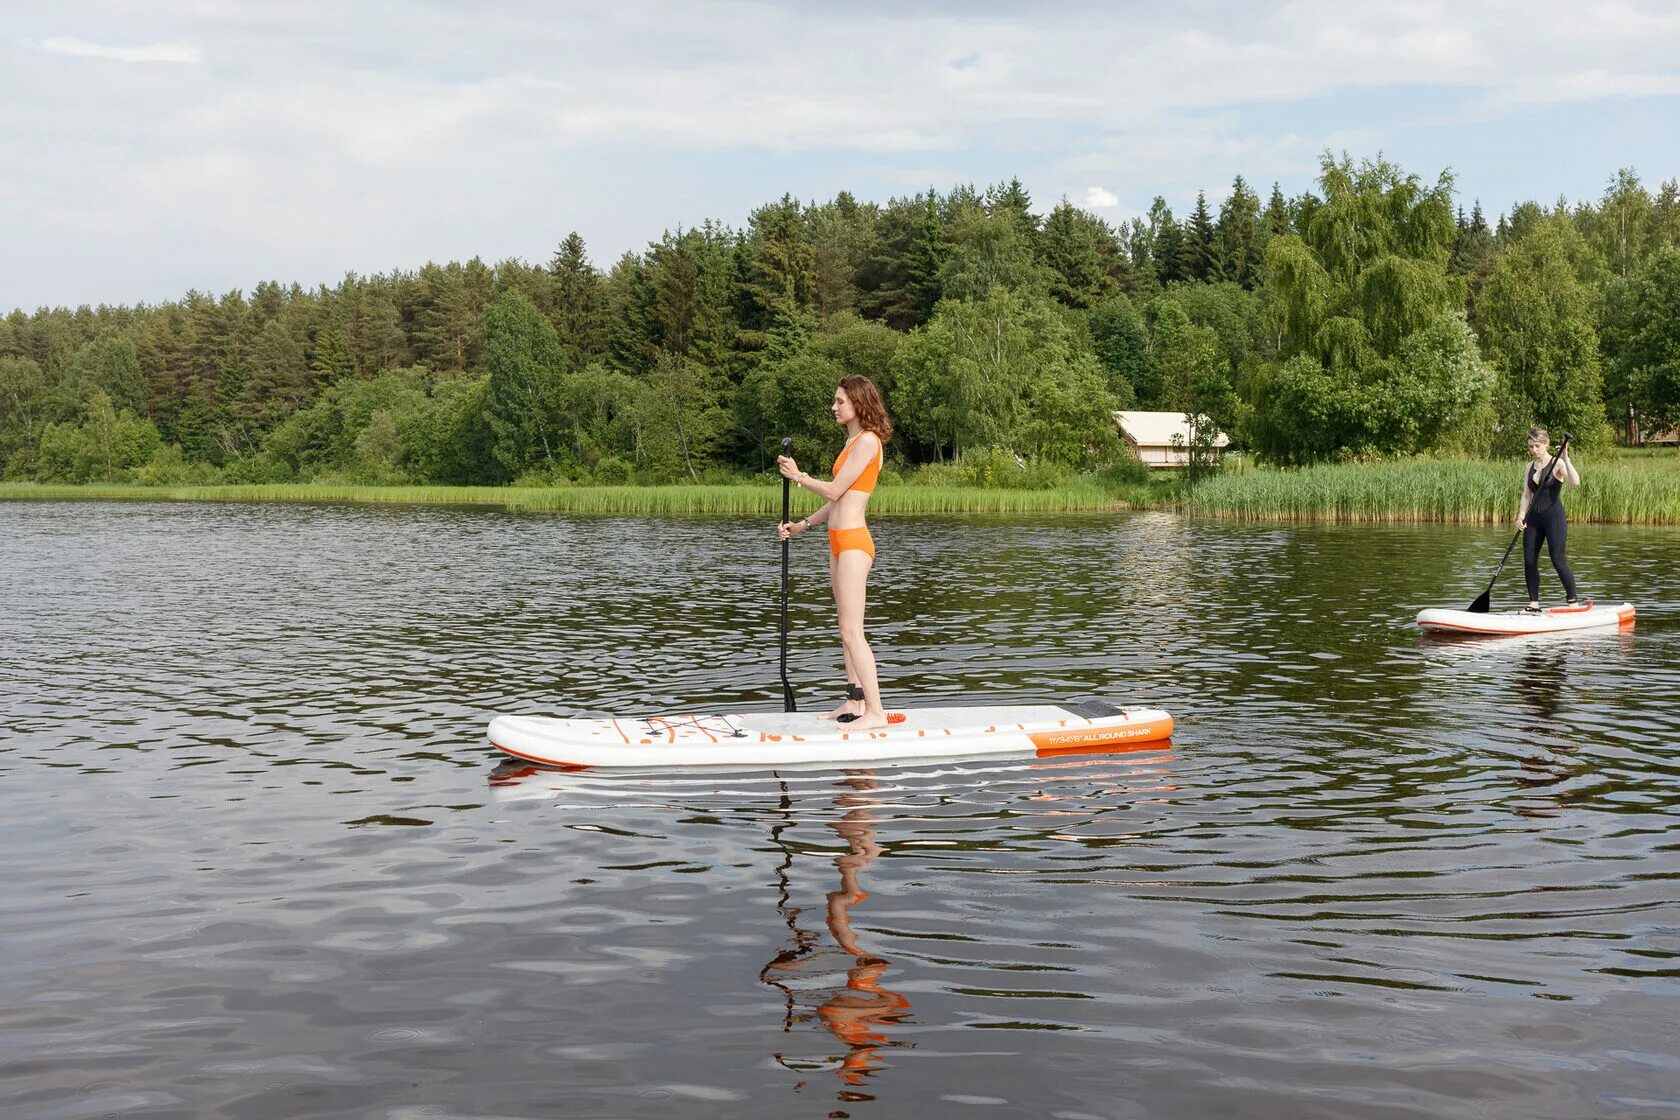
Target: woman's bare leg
[(847, 707), (851, 585)]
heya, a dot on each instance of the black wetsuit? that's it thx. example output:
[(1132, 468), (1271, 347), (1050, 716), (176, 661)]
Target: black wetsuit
[(1545, 522)]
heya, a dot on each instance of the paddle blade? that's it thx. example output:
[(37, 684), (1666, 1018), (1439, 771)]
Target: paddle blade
[(1482, 603)]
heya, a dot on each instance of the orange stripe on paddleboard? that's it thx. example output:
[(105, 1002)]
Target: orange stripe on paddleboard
[(569, 766), (1104, 735), (1150, 747)]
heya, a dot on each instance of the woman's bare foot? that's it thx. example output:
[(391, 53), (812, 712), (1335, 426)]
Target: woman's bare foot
[(846, 708), (868, 721)]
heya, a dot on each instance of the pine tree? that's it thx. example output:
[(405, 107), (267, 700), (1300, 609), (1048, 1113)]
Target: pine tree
[(1473, 249), (1011, 199), (929, 247), (159, 347), (779, 278), (841, 235), (883, 277), (1199, 245), (628, 295), (673, 273), (450, 320), (279, 377), (330, 361), (578, 303), (1171, 258), (268, 302), (1071, 249), (714, 341), (195, 413), (1237, 237)]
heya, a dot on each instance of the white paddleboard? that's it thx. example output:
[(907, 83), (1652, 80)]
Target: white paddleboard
[(771, 739), (1550, 621)]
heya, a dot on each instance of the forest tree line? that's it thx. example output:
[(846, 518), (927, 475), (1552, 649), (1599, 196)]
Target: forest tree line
[(1370, 318)]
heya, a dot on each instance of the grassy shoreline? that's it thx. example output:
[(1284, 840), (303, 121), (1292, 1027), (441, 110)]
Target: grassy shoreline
[(1625, 490), (755, 500), (1617, 490)]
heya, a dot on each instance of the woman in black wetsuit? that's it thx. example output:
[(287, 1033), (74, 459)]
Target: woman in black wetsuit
[(1540, 516)]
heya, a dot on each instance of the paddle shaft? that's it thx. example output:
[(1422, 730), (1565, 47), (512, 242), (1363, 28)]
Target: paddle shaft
[(1485, 599), (787, 689)]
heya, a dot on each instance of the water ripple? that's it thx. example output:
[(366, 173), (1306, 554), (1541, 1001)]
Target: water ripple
[(261, 863)]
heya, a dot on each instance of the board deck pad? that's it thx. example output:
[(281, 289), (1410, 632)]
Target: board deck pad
[(1550, 621), (768, 739)]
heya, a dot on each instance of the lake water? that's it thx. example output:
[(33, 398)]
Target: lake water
[(260, 862)]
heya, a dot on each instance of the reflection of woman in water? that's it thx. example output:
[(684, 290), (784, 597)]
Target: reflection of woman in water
[(859, 1012), (1540, 684), (1551, 765)]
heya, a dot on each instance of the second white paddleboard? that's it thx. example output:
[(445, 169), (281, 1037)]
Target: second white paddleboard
[(1550, 621)]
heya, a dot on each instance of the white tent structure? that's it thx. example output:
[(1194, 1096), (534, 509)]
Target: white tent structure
[(1161, 439)]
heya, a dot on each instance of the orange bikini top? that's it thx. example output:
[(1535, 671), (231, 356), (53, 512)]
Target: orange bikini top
[(865, 481)]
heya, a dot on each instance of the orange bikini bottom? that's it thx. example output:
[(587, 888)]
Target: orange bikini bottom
[(846, 540)]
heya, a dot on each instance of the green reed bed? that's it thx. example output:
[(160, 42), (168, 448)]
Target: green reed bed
[(766, 500), (1622, 490), (745, 499), (276, 492)]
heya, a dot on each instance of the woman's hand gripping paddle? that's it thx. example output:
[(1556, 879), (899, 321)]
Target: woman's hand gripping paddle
[(1485, 599), (787, 689)]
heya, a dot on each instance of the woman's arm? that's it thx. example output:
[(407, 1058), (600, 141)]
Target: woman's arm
[(1566, 469), (863, 452), (818, 517), (794, 528), (1522, 506)]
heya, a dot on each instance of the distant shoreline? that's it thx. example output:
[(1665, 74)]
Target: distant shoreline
[(1621, 491)]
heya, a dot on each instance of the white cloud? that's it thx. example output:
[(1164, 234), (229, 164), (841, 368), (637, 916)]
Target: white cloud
[(316, 137), (149, 52)]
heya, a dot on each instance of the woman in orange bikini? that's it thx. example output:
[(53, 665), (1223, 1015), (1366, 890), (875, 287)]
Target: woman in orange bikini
[(851, 551)]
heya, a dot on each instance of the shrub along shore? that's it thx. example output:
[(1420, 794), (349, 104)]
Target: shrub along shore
[(1626, 490)]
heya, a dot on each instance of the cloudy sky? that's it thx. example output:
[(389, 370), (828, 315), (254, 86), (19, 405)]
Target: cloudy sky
[(152, 147)]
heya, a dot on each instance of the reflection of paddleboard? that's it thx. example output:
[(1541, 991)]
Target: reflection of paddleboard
[(775, 738), (1582, 617)]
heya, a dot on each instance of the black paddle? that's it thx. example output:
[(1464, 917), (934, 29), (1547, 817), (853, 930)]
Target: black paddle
[(787, 689), (1485, 599)]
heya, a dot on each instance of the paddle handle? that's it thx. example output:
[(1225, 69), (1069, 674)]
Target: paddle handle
[(787, 689)]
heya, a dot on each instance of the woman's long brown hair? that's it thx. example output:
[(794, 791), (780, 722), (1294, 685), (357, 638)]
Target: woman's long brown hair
[(866, 399)]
